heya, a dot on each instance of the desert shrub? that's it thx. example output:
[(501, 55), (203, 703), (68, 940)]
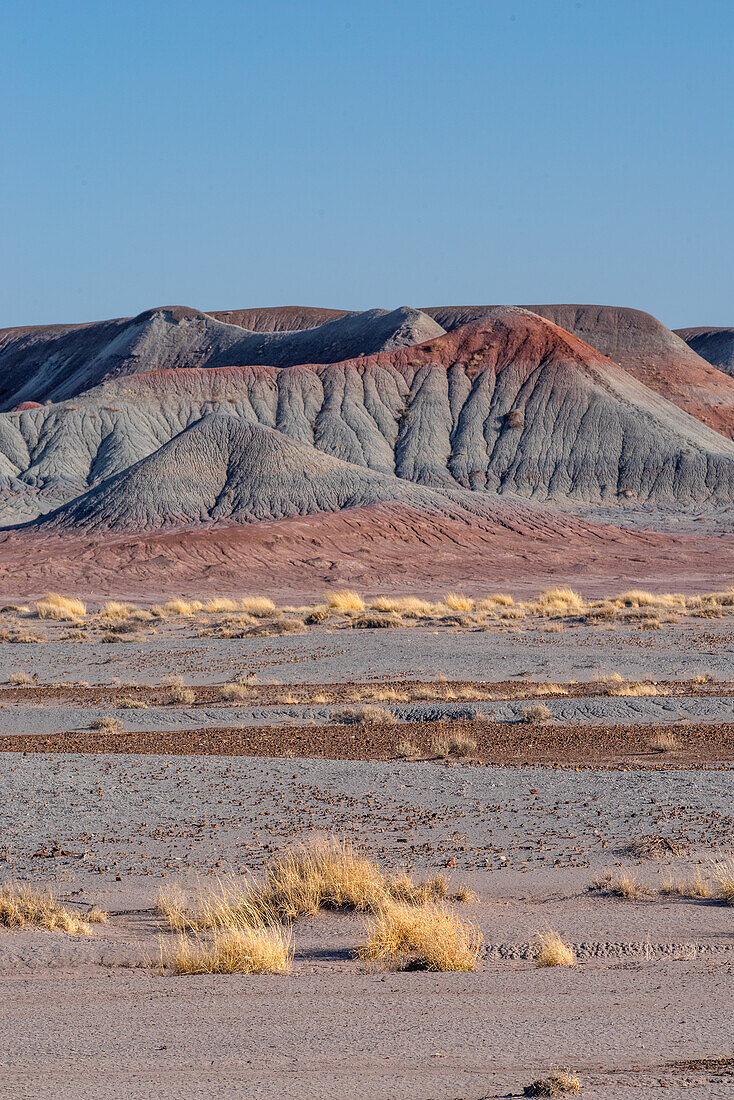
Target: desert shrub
[(127, 702), (260, 607), (234, 693), (18, 679), (538, 712), (375, 622), (244, 950), (560, 599), (345, 600), (62, 608), (665, 741), (552, 951), (407, 606), (456, 601), (556, 1083), (365, 715), (107, 724), (624, 884), (406, 748), (723, 873), (426, 937), (23, 906), (181, 607), (318, 614), (454, 744)]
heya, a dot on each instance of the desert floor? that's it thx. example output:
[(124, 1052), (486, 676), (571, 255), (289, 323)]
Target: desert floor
[(189, 792)]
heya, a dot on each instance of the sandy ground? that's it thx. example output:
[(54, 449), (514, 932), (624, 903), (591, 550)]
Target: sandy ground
[(647, 1011)]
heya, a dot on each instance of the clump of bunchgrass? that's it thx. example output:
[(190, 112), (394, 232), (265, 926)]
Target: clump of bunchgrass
[(345, 600), (366, 715), (552, 951), (61, 608), (237, 950), (423, 937), (24, 906), (557, 1083)]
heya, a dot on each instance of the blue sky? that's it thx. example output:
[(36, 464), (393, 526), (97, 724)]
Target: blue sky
[(233, 154)]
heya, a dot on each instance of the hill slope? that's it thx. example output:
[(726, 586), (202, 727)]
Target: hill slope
[(60, 362), (715, 345), (512, 405)]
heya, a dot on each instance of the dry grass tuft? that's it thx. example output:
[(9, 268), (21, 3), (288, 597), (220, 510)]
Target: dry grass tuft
[(694, 887), (493, 602), (365, 715), (558, 1082), (345, 600), (244, 950), (424, 937), (538, 712), (107, 724), (724, 876), (622, 885), (234, 693), (181, 607), (664, 742), (326, 875), (552, 951), (616, 686), (456, 601), (220, 606), (258, 606), (18, 679), (23, 906), (407, 606), (114, 610), (61, 608), (177, 692), (455, 744), (406, 748), (560, 599), (127, 702)]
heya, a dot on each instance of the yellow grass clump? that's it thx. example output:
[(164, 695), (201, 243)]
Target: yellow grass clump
[(426, 937), (622, 885), (258, 606), (182, 607), (220, 606), (106, 724), (365, 715), (552, 951), (557, 1083), (694, 887), (114, 610), (456, 601), (19, 679), (538, 712), (724, 875), (638, 597), (244, 950), (23, 906), (234, 693), (491, 603), (455, 744), (618, 687), (664, 742), (345, 600), (408, 606), (61, 608), (560, 599), (177, 692), (406, 748)]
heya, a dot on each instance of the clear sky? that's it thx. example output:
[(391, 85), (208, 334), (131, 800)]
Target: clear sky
[(224, 154)]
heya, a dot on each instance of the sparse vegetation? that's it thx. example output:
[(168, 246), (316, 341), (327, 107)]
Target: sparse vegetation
[(723, 873), (406, 748), (694, 887), (557, 1083), (23, 906), (624, 884), (345, 600), (19, 679), (243, 950), (455, 744), (665, 741), (177, 692), (61, 608), (106, 724), (456, 601), (552, 951), (538, 712), (234, 693), (423, 937)]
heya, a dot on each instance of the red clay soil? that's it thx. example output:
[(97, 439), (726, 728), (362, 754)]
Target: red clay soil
[(378, 549), (497, 743)]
